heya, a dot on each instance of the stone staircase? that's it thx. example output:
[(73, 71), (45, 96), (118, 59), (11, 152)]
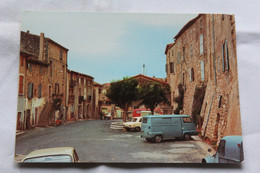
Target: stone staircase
[(116, 125), (45, 115)]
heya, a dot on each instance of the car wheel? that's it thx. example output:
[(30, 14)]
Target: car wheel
[(158, 138), (137, 129), (187, 136)]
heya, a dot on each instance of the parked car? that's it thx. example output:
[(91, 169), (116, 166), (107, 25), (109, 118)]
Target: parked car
[(155, 128), (134, 124), (230, 150), (56, 155)]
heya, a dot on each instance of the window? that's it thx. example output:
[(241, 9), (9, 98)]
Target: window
[(144, 120), (191, 74), (200, 24), (21, 78), (187, 120), (41, 70), (221, 147), (60, 55), (179, 57), (166, 68), (220, 100), (191, 51), (50, 68), (29, 66), (30, 90), (57, 88), (225, 56), (63, 71), (202, 70), (171, 67), (201, 44), (40, 91), (21, 61), (183, 52)]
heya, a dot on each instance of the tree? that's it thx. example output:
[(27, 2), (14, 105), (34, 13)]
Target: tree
[(123, 93), (152, 94)]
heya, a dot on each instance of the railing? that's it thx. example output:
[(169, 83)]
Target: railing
[(81, 99), (71, 98), (73, 83)]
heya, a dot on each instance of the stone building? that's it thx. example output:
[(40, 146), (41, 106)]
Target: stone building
[(142, 79), (42, 81), (201, 67), (97, 100), (80, 96)]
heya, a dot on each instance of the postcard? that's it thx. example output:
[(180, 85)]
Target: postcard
[(128, 88)]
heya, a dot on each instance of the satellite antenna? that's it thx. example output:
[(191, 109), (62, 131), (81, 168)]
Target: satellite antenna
[(144, 73)]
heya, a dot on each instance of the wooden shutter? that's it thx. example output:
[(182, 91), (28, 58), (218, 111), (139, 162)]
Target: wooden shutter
[(201, 44), (223, 58), (21, 84), (40, 91), (190, 75), (226, 55), (30, 90), (202, 70)]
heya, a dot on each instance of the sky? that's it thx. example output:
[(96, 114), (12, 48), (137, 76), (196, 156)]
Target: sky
[(110, 46)]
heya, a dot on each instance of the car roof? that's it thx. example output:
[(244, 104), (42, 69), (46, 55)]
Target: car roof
[(167, 116), (233, 139), (51, 151)]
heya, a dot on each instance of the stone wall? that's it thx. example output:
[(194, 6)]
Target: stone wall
[(218, 72)]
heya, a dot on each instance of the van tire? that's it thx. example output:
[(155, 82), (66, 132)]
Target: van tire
[(158, 138), (187, 137)]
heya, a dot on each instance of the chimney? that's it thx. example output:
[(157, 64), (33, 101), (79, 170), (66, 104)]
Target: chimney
[(41, 52)]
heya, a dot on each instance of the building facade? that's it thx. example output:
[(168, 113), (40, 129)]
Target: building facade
[(201, 67), (42, 81), (80, 96)]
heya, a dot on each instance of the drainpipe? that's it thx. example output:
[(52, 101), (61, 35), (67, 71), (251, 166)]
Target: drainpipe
[(214, 58)]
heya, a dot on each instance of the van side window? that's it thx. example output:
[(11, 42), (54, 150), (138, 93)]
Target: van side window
[(165, 120), (221, 147), (144, 120), (187, 120)]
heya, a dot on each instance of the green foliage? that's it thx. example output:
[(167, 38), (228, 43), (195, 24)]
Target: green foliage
[(152, 94), (179, 100), (123, 92), (197, 103)]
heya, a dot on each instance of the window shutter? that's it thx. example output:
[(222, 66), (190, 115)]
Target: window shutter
[(227, 57), (201, 44), (190, 75), (223, 58), (30, 90), (21, 84), (40, 91), (202, 70)]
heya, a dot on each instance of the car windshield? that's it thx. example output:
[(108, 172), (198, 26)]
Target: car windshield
[(133, 120), (56, 159)]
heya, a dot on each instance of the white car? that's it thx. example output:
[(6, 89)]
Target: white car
[(134, 124), (56, 155)]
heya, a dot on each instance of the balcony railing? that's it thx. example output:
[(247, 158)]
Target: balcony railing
[(81, 99), (73, 83), (71, 98)]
